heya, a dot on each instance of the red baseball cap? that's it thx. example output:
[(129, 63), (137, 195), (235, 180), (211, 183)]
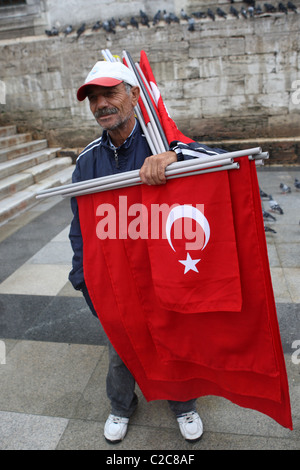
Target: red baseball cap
[(107, 74)]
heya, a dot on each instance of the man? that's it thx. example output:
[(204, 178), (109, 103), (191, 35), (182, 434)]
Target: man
[(112, 91)]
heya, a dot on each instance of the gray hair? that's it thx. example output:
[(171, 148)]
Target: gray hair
[(127, 87)]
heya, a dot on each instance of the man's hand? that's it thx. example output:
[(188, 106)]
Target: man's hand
[(153, 169)]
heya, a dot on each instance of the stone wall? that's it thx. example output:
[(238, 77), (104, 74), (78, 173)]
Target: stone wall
[(228, 79)]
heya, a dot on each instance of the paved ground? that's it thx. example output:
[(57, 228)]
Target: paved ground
[(52, 388)]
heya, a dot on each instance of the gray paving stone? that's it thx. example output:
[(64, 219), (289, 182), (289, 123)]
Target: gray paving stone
[(20, 431), (46, 378), (52, 387)]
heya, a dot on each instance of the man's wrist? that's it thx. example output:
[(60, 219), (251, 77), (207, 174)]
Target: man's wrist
[(178, 152)]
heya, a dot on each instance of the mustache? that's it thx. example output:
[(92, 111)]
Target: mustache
[(105, 112)]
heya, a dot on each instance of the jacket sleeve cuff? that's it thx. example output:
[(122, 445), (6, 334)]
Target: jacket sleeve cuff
[(174, 146)]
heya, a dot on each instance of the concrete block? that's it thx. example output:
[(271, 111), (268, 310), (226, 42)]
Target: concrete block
[(211, 48)]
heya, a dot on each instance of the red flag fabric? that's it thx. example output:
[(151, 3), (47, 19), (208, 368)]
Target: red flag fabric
[(235, 354), (200, 270), (171, 130)]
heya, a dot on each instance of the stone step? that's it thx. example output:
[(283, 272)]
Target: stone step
[(282, 150), (16, 165), (17, 182), (26, 167), (13, 140), (46, 169), (14, 183), (8, 130), (13, 205), (22, 149)]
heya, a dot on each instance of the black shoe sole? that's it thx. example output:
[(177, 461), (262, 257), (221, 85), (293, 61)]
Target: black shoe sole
[(192, 441), (113, 442)]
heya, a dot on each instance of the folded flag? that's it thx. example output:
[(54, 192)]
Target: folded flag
[(176, 354), (191, 245), (171, 130)]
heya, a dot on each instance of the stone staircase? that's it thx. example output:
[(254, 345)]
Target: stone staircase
[(26, 167)]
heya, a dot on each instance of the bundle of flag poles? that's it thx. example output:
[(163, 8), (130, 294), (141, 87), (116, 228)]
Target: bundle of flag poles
[(158, 143)]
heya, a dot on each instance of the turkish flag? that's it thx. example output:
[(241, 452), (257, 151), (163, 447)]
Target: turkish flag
[(180, 355), (192, 231), (171, 130)]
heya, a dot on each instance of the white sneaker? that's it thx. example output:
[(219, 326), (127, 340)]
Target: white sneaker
[(190, 426), (115, 428)]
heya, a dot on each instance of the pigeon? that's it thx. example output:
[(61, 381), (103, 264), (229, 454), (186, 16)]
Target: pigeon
[(144, 19), (211, 14), (199, 14), (156, 18), (80, 30), (292, 7), (263, 194), (221, 13), (122, 23), (258, 10), (274, 206), (174, 18), (68, 30), (107, 26), (268, 229), (234, 11), (166, 17), (134, 22), (269, 8), (297, 183), (285, 188), (96, 26), (183, 14), (268, 216), (191, 23), (112, 23), (282, 8), (251, 12), (53, 32)]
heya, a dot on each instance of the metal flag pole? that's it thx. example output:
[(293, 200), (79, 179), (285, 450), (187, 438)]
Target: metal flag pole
[(150, 134), (184, 168), (186, 165), (136, 181), (147, 102), (145, 81), (115, 181), (145, 129)]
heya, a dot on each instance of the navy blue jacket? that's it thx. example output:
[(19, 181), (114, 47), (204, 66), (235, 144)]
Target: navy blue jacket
[(100, 158)]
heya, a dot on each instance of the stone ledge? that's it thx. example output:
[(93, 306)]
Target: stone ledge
[(70, 152), (282, 150)]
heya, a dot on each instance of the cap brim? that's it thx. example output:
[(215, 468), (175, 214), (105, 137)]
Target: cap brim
[(104, 81)]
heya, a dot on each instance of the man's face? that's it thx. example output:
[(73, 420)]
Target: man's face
[(112, 106)]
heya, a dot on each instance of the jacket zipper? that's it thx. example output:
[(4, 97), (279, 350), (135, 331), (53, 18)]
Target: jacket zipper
[(116, 158)]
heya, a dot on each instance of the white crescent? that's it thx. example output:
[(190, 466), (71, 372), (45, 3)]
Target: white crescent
[(186, 210)]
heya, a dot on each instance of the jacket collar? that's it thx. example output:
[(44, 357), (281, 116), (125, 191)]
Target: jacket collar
[(106, 139)]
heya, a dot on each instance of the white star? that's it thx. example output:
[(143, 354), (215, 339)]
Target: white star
[(190, 264)]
